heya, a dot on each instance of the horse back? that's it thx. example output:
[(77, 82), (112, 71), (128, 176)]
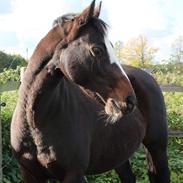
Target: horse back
[(150, 102)]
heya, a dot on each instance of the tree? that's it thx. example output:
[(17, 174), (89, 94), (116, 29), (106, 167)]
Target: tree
[(10, 61), (118, 49), (177, 49), (138, 52)]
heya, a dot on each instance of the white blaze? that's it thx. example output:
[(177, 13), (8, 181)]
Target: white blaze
[(112, 56)]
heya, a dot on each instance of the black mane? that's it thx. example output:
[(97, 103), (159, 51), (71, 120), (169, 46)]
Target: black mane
[(100, 25)]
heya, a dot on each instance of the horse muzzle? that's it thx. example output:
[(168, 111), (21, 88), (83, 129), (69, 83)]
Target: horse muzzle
[(116, 109)]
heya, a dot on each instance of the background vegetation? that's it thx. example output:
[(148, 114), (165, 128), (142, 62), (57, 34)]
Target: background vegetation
[(171, 73), (10, 61)]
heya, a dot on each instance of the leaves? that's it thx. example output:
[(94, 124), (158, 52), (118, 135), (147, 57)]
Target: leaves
[(136, 52), (169, 73), (10, 75), (9, 61)]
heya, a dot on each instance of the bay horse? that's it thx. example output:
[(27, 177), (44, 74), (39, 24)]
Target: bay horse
[(80, 113)]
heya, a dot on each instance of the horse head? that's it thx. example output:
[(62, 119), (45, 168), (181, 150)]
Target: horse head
[(86, 57)]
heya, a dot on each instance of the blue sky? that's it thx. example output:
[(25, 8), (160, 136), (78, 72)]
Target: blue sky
[(24, 22)]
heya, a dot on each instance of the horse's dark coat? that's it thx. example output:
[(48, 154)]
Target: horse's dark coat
[(56, 130)]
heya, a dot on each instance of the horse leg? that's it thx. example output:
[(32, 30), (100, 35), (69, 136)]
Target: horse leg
[(158, 170), (125, 173), (74, 177), (28, 177)]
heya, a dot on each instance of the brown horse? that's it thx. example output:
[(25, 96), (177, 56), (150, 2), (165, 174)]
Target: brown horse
[(77, 112)]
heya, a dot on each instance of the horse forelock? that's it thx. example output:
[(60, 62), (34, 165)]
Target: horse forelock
[(100, 25)]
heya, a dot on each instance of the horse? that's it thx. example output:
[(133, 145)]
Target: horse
[(80, 113)]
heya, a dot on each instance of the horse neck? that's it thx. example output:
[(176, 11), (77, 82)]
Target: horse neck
[(67, 101), (55, 92), (30, 90)]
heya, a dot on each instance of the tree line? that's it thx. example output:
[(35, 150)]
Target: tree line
[(9, 61), (138, 51)]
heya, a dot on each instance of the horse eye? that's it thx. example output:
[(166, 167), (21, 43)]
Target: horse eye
[(96, 50)]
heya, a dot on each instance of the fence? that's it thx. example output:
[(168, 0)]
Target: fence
[(173, 88), (9, 86)]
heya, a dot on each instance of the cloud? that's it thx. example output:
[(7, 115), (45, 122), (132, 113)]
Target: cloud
[(5, 6), (160, 20), (31, 20), (131, 18)]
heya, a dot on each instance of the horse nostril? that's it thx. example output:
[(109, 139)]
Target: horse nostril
[(130, 103)]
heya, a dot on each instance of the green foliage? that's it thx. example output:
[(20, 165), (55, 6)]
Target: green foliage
[(109, 177), (10, 167), (169, 73), (10, 61), (169, 78), (137, 51), (174, 103), (10, 75), (168, 68), (172, 74)]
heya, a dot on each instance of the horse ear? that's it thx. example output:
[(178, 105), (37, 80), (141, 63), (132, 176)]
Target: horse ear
[(97, 10), (87, 14)]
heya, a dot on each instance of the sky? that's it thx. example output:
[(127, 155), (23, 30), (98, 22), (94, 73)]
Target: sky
[(24, 22)]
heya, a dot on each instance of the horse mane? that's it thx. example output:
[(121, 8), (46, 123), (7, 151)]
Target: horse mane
[(100, 25), (36, 73)]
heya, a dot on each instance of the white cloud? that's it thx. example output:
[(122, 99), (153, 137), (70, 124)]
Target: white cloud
[(160, 20), (131, 18), (31, 20)]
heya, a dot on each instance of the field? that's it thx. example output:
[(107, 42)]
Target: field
[(174, 103)]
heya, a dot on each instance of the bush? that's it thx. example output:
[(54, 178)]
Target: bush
[(10, 75), (174, 103), (10, 61), (10, 167), (168, 74)]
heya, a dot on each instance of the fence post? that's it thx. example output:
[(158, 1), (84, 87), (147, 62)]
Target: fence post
[(1, 157)]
